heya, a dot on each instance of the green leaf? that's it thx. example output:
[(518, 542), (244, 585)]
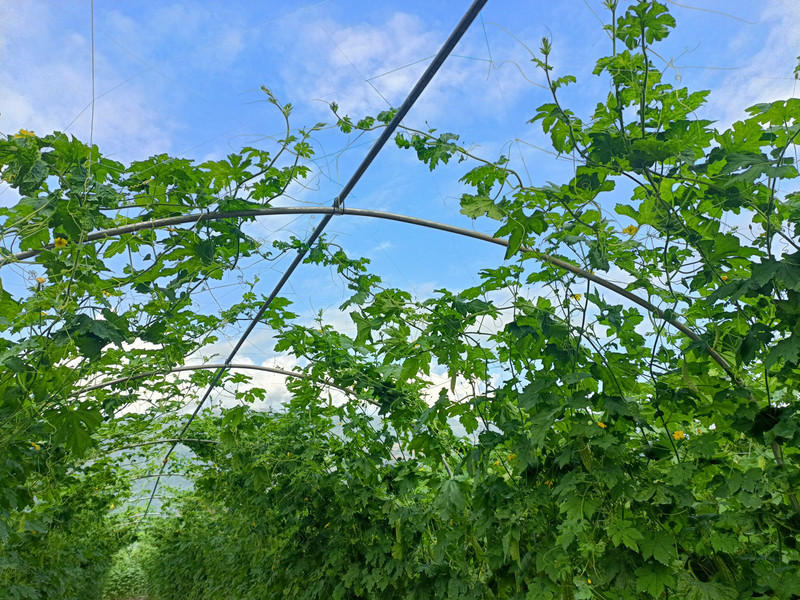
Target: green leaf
[(623, 532), (450, 498), (653, 579), (659, 545), (787, 350), (74, 425)]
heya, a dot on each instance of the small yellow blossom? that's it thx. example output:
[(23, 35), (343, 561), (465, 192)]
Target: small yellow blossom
[(678, 435), (327, 525), (601, 424), (724, 278), (24, 133), (630, 230), (41, 279), (497, 463), (112, 506), (589, 580), (36, 446), (60, 242), (512, 456), (106, 293), (549, 483), (576, 296)]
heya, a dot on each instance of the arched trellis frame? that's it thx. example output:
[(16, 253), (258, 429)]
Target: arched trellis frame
[(357, 212)]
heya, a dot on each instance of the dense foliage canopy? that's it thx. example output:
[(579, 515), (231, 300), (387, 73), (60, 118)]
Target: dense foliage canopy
[(631, 425)]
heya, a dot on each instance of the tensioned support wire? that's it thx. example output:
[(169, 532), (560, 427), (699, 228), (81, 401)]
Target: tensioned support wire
[(338, 205)]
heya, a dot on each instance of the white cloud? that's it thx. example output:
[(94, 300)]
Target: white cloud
[(211, 38), (391, 56), (47, 86), (767, 75)]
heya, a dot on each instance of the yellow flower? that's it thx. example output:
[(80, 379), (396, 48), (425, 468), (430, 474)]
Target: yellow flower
[(512, 456), (724, 278), (601, 424), (549, 483), (327, 525), (35, 446), (24, 133), (60, 242), (589, 580), (112, 506), (576, 296), (678, 435), (41, 279), (630, 230), (106, 293)]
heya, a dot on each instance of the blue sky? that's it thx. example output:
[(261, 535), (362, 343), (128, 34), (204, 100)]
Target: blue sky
[(184, 77)]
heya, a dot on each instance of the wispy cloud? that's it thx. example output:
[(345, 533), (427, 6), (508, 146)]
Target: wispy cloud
[(366, 68), (47, 86), (766, 75)]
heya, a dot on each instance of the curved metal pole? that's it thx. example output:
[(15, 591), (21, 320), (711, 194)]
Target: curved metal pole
[(358, 212), (165, 441), (294, 374)]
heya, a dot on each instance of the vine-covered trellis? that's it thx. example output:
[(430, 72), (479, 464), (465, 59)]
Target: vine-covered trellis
[(609, 411)]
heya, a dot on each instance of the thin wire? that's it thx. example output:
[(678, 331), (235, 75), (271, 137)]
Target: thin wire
[(416, 62), (91, 118), (493, 69), (338, 204), (355, 68), (708, 10)]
